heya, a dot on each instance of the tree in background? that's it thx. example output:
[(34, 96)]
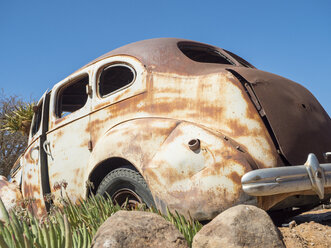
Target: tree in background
[(15, 120)]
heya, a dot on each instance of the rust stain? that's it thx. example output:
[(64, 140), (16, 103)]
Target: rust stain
[(59, 120), (173, 175), (56, 174), (58, 134), (30, 190), (234, 176), (9, 193), (27, 156), (101, 105)]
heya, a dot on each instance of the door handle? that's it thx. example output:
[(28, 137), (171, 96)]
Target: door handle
[(47, 149)]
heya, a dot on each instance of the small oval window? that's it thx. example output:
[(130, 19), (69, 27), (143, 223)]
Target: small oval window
[(114, 78)]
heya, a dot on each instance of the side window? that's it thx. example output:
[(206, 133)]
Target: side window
[(72, 97), (115, 77), (36, 119)]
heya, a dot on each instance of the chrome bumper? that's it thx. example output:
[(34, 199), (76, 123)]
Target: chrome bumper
[(272, 181)]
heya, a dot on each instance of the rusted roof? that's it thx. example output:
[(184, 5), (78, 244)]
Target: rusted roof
[(163, 55)]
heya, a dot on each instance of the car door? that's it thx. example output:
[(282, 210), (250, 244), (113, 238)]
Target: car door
[(35, 184), (68, 139)]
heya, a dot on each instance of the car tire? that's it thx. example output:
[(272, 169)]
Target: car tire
[(126, 185)]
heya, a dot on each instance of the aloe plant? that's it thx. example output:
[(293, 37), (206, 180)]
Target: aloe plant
[(19, 120), (71, 225)]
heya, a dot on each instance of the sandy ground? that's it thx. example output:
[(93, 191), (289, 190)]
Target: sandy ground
[(309, 229)]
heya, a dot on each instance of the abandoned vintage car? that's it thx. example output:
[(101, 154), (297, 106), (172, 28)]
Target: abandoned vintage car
[(181, 125)]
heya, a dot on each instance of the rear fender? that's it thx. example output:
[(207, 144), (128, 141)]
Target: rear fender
[(204, 180), (135, 140), (199, 182), (10, 194)]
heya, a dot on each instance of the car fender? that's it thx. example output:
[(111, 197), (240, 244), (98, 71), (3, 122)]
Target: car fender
[(134, 140), (205, 179), (10, 195), (200, 181)]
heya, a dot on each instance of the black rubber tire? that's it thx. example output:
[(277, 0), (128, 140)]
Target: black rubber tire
[(126, 178)]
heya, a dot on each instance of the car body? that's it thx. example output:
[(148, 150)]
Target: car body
[(191, 119)]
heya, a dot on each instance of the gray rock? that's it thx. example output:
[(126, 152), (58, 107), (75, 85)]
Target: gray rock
[(138, 229), (239, 226)]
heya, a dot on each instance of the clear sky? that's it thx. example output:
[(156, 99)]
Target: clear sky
[(42, 42)]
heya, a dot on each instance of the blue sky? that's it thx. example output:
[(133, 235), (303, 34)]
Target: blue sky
[(41, 43)]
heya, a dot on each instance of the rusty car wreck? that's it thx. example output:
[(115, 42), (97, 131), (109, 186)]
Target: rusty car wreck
[(181, 125)]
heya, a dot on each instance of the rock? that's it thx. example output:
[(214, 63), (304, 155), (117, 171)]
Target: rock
[(239, 226), (138, 229)]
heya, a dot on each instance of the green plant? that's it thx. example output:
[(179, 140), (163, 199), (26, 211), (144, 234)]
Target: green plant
[(187, 227), (71, 225), (12, 143), (19, 119)]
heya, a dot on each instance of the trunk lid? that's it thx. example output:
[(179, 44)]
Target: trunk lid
[(299, 123)]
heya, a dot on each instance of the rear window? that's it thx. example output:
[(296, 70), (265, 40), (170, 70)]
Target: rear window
[(203, 53)]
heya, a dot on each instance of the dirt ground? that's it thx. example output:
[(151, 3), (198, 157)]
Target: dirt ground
[(309, 229)]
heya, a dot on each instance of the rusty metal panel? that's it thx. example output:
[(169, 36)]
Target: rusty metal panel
[(299, 122), (217, 101), (136, 140), (159, 149), (31, 181), (69, 144), (229, 113), (199, 183), (32, 190), (190, 99), (69, 147), (10, 194), (163, 55), (193, 99)]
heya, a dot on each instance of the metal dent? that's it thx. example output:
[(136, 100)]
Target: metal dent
[(193, 183)]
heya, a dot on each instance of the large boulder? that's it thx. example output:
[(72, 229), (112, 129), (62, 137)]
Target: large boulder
[(239, 226), (138, 229)]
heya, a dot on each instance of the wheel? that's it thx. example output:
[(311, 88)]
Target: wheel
[(126, 185)]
